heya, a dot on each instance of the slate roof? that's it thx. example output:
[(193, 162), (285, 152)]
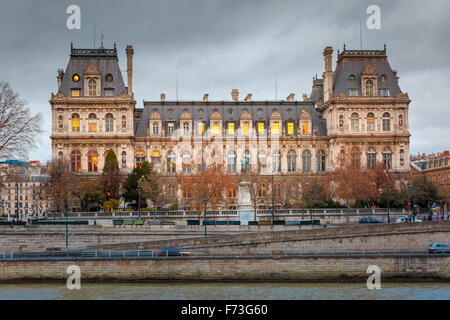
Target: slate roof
[(353, 62), (106, 61), (236, 111)]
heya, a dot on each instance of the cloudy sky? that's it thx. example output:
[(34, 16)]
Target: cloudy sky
[(217, 45)]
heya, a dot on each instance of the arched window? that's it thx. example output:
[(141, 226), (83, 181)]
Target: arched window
[(386, 121), (371, 158), (277, 190), (320, 160), (109, 122), (355, 156), (262, 190), (92, 122), (276, 161), (306, 160), (369, 87), (171, 162), (92, 161), (140, 158), (156, 157), (186, 161), (171, 191), (75, 122), (92, 84), (387, 157), (231, 161), (291, 160), (75, 161), (124, 122), (370, 122), (232, 191), (354, 121)]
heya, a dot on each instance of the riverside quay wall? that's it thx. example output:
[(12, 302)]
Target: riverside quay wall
[(383, 236), (393, 268)]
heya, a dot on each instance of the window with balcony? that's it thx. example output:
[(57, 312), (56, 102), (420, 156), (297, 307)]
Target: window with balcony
[(275, 128)]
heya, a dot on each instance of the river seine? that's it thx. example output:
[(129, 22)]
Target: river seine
[(223, 291)]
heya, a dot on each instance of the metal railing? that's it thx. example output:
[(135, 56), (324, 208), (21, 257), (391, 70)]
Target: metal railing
[(221, 253)]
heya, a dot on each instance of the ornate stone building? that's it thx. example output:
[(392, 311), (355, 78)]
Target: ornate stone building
[(359, 108)]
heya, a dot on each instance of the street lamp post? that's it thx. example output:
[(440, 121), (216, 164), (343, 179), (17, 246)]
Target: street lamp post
[(67, 229), (413, 214), (273, 212), (388, 197), (204, 221), (139, 197)]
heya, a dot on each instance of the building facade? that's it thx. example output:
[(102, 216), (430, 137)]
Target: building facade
[(23, 192), (356, 108), (436, 167)]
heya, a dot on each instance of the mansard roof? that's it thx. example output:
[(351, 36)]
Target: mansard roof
[(104, 60), (230, 111), (354, 62)]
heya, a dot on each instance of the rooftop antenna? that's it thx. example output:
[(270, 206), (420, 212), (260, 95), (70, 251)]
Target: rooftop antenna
[(176, 84), (94, 35), (360, 34), (276, 88), (102, 37)]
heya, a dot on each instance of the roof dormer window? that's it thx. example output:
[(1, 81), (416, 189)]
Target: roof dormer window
[(92, 86), (109, 77), (369, 87)]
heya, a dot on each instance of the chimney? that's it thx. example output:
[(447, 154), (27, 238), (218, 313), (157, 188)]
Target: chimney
[(248, 98), (59, 77), (290, 97), (163, 96), (305, 97), (235, 94), (205, 97), (328, 74), (129, 50)]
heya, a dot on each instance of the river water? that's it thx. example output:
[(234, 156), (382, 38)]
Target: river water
[(223, 291)]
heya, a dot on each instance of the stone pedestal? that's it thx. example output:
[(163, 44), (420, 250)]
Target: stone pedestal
[(245, 206)]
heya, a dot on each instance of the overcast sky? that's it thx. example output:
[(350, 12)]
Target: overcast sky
[(215, 46)]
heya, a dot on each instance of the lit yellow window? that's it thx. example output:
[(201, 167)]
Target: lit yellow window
[(216, 128), (92, 123), (276, 128), (290, 128), (261, 127), (305, 127), (75, 123), (75, 93), (201, 128), (245, 127), (231, 128)]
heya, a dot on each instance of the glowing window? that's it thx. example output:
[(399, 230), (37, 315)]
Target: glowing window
[(276, 128), (245, 127), (290, 128), (230, 128), (75, 122), (261, 127), (305, 128), (156, 157), (140, 157), (92, 161), (92, 123), (201, 128), (370, 122), (75, 92), (216, 128), (75, 160)]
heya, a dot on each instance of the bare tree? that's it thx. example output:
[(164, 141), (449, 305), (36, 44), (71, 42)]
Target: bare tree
[(19, 130), (61, 184), (152, 188)]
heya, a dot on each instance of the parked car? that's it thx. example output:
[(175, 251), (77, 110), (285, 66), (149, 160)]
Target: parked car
[(370, 220), (170, 251), (438, 247), (405, 219)]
